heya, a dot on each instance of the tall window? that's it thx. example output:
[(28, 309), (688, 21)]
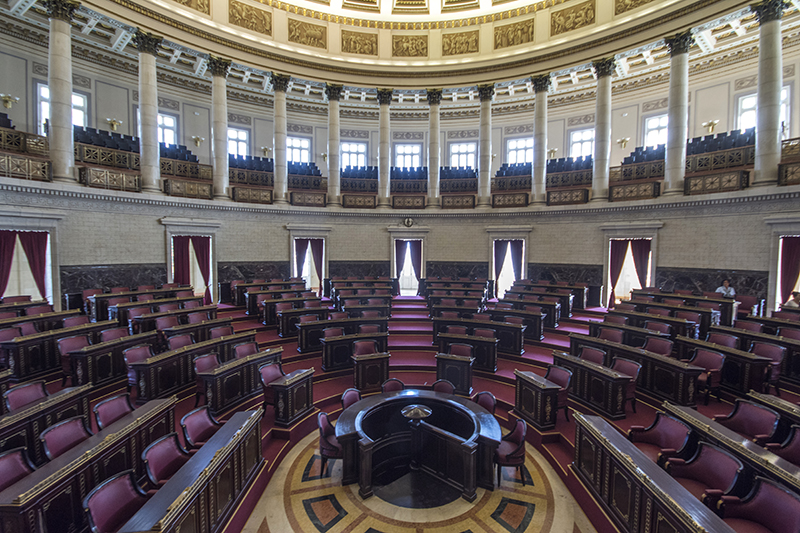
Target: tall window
[(298, 149), (581, 143), (519, 151), (354, 154), (80, 108), (21, 280), (191, 257), (305, 263), (655, 130), (409, 284), (746, 112), (167, 129), (407, 155), (628, 276), (463, 154), (238, 143)]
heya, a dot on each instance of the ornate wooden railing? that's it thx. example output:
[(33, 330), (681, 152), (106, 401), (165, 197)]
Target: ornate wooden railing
[(23, 143), (721, 159), (570, 178), (409, 186), (254, 178), (23, 155), (639, 171), (106, 157), (511, 183), (458, 185), (360, 185)]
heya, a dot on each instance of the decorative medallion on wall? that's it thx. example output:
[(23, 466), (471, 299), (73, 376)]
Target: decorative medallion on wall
[(454, 44), (203, 6), (653, 105), (235, 118), (462, 134), (300, 128), (362, 5), (249, 17), (622, 6), (354, 134), (355, 42), (409, 46), (518, 130), (583, 119), (513, 34), (408, 136), (572, 18), (308, 34)]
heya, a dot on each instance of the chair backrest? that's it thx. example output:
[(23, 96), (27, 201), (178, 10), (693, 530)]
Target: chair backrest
[(38, 310), (485, 332), (184, 294), (767, 349), (688, 315), (312, 304), (658, 311), (459, 348), (486, 400), (206, 362), (165, 308), (708, 305), (244, 349), (308, 318), (163, 457), (723, 339), (456, 330), (375, 301), (483, 317), (708, 359), (8, 314), (270, 372), (349, 397), (532, 308), (351, 302), (332, 332), (14, 465), (448, 302), (137, 353), (787, 315), (609, 334), (625, 307), (179, 341), (144, 297), (392, 385), (16, 299), (750, 419), (27, 328), (658, 345), (113, 333), (789, 333), (109, 411), (115, 290), (673, 301), (559, 375), (627, 367), (141, 288), (138, 311), (61, 437), (369, 328), (221, 331), (68, 344), (513, 319), (337, 315), (593, 355), (364, 347), (117, 301), (444, 386), (191, 304), (70, 321), (326, 429), (450, 315), (714, 467), (197, 318), (748, 325), (198, 426), (165, 322), (661, 327), (7, 334), (113, 502), (770, 505), (615, 319), (23, 394), (370, 314)]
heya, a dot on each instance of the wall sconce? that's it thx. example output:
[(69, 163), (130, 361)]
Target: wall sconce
[(493, 156), (551, 153), (710, 125), (623, 142), (198, 140), (8, 100), (114, 123), (324, 156), (266, 151)]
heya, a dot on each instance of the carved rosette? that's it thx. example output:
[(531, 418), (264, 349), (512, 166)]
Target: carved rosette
[(434, 96), (384, 96), (541, 83), (219, 66), (333, 92), (769, 10), (679, 43), (280, 82), (146, 42), (604, 67), (61, 9), (486, 92)]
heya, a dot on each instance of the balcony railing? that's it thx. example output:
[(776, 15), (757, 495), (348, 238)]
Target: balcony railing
[(23, 142)]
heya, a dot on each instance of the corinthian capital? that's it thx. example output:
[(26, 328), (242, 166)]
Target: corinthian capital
[(769, 10), (434, 96), (219, 66), (604, 67), (146, 42), (384, 96), (679, 43), (486, 92), (280, 82), (61, 9), (541, 83), (333, 92)]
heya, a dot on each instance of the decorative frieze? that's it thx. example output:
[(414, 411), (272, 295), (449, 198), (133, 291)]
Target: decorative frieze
[(653, 105), (408, 136), (203, 6), (513, 34), (249, 17), (623, 6), (163, 103), (460, 43), (572, 18), (308, 34), (518, 130), (354, 134), (409, 46), (234, 118), (300, 128), (356, 42), (581, 120), (462, 134)]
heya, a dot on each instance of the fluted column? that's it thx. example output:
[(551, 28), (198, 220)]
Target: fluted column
[(59, 82), (486, 94), (770, 82), (334, 92), (281, 84), (149, 154), (601, 159), (541, 84), (384, 147), (434, 101), (677, 112)]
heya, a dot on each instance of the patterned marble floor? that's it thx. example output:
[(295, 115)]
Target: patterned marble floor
[(301, 498)]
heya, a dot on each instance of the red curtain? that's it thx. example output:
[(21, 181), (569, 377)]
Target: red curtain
[(500, 247), (316, 254), (640, 249), (202, 249), (790, 265), (180, 254), (618, 250), (300, 249), (416, 257), (7, 241), (516, 258), (400, 254), (35, 245)]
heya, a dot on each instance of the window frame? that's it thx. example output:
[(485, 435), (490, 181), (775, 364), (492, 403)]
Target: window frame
[(37, 84), (507, 155), (644, 128), (788, 115), (342, 153), (570, 133), (289, 150), (161, 128), (246, 142), (397, 145), (450, 147)]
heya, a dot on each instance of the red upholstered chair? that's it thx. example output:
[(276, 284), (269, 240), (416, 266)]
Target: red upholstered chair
[(109, 411), (258, 280), (625, 307), (375, 301), (179, 341), (136, 312), (789, 333), (63, 436), (24, 394), (364, 347), (448, 302), (563, 378), (198, 426), (615, 319), (450, 315), (723, 339), (459, 348), (221, 331), (786, 315), (486, 400), (66, 345), (392, 385), (658, 311), (27, 328), (329, 447), (309, 294), (776, 353), (674, 301), (711, 379), (74, 321), (456, 330), (513, 319), (163, 458), (165, 308), (349, 397), (7, 334), (112, 334), (666, 437), (370, 314), (175, 285), (511, 451), (197, 318), (337, 315), (748, 305), (485, 332), (132, 355), (609, 334), (708, 305), (245, 349), (113, 502), (369, 328), (748, 325), (312, 304), (38, 310), (632, 369), (751, 420), (444, 386), (117, 301), (332, 332), (192, 304), (165, 322), (144, 297), (14, 465), (346, 292), (592, 355), (532, 308), (269, 373), (349, 302), (438, 293), (141, 288), (203, 363), (483, 317), (308, 318), (661, 327), (658, 345), (16, 299), (8, 314), (184, 294), (709, 475), (688, 315), (789, 449), (115, 290), (769, 508), (684, 292)]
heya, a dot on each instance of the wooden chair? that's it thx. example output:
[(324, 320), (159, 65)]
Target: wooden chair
[(486, 400), (269, 373), (666, 437), (349, 397), (24, 394), (444, 386), (392, 385), (710, 380), (632, 369), (563, 378), (198, 426), (511, 451), (112, 409), (768, 507), (329, 447), (709, 475), (751, 420), (14, 465), (163, 458), (113, 502), (64, 436)]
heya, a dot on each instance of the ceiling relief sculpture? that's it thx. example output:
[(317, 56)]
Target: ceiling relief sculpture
[(361, 5), (409, 46), (249, 17), (354, 42), (203, 6), (308, 34), (572, 18), (454, 44), (513, 34), (621, 6)]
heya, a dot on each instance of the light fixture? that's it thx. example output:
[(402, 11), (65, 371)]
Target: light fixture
[(324, 156), (551, 153), (113, 123), (710, 125), (8, 100), (493, 156), (623, 142), (198, 140), (266, 150)]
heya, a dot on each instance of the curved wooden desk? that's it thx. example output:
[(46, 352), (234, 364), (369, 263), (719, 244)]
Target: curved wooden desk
[(455, 443)]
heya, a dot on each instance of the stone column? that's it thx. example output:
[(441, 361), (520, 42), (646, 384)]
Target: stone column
[(219, 125), (384, 148), (59, 82), (678, 113), (486, 94), (434, 101), (770, 82), (334, 93), (149, 153), (601, 160), (541, 84), (281, 84)]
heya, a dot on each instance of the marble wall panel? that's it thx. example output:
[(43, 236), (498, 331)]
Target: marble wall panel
[(749, 282), (76, 278), (250, 270), (359, 269), (458, 269), (589, 274)]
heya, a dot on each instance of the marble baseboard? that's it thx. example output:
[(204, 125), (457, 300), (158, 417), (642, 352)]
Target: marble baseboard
[(359, 269), (460, 269), (589, 274), (76, 278), (749, 282), (248, 271)]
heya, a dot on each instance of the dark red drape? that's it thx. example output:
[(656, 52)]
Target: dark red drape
[(35, 245), (640, 249), (416, 257), (7, 241), (316, 254), (516, 258), (300, 249), (500, 247), (180, 254), (618, 250), (400, 254), (790, 265), (202, 249)]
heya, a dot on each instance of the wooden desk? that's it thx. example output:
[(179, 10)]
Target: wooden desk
[(475, 302), (294, 396), (236, 381), (707, 316), (728, 307), (19, 307), (566, 300), (457, 369), (631, 335), (772, 324), (328, 284), (251, 298), (580, 291), (104, 362), (511, 336), (148, 322), (242, 288), (370, 371), (119, 312), (536, 400), (636, 493), (680, 326), (596, 386), (534, 322), (5, 381), (202, 495), (354, 311), (552, 310), (484, 349), (662, 377), (463, 311), (43, 322), (363, 300), (269, 315), (790, 369), (50, 499), (200, 332), (337, 351), (98, 303), (310, 333), (288, 319)]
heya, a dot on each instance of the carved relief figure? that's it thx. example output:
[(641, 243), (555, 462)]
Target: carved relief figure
[(513, 34), (308, 34), (354, 42), (621, 6), (460, 43), (409, 46), (249, 17), (572, 18)]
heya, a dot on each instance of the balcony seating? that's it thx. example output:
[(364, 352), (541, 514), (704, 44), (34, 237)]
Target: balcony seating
[(14, 465), (776, 354), (349, 397), (592, 355), (563, 378), (709, 475), (661, 327), (444, 386), (568, 164), (203, 363), (665, 438), (615, 319), (642, 154), (23, 394), (511, 451), (198, 426), (723, 339), (163, 458), (365, 347), (66, 345), (751, 420), (748, 326), (74, 321), (221, 331), (517, 169), (608, 334), (179, 341), (112, 409), (769, 508), (392, 385), (269, 373), (486, 400), (658, 345), (63, 436), (135, 354), (632, 369), (245, 349), (329, 447), (113, 502)]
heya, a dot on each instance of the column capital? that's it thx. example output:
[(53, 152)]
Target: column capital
[(385, 96), (219, 66), (146, 42), (281, 82), (486, 92), (541, 83), (333, 92), (61, 9), (679, 43), (769, 10), (604, 67), (434, 96)]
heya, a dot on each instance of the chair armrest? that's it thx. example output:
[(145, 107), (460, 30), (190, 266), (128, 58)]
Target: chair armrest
[(760, 439), (633, 430), (665, 454), (772, 446), (711, 497), (674, 462), (717, 418)]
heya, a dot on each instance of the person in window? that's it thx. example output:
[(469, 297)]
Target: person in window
[(794, 301), (726, 290)]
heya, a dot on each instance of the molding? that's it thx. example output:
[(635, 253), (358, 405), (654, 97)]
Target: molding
[(782, 219), (315, 228), (508, 229), (177, 224), (30, 218), (632, 226)]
